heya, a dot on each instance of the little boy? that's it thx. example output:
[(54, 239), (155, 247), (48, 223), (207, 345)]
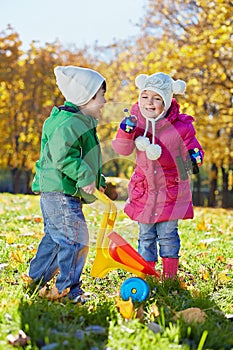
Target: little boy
[(68, 171)]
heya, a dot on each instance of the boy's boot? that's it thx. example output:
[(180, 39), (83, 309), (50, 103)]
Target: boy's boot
[(170, 267), (53, 293)]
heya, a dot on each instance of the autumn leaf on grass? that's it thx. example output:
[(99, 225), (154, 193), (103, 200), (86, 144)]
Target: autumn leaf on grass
[(201, 226), (21, 339), (229, 262), (140, 313), (220, 259), (27, 280), (202, 255), (183, 285), (204, 273), (223, 277), (193, 314), (16, 257), (37, 218), (126, 308), (154, 311), (11, 237)]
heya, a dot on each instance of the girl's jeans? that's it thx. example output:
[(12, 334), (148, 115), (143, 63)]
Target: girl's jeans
[(163, 233), (64, 245)]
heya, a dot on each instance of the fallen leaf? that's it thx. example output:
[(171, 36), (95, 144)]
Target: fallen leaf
[(223, 277), (229, 261), (37, 219), (140, 313), (11, 237), (53, 293), (27, 280), (183, 285), (193, 314), (202, 254), (202, 245), (17, 256), (201, 226), (154, 311), (126, 308), (204, 273), (21, 339), (220, 258)]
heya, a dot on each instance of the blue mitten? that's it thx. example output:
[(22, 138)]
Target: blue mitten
[(129, 123), (196, 159)]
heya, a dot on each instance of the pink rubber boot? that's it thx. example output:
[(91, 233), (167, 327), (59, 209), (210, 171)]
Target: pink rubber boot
[(170, 267)]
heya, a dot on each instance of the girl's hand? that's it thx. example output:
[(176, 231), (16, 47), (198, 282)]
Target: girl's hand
[(89, 188), (129, 123)]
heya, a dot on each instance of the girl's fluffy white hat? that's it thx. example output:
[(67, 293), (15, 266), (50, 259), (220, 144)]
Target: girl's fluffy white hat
[(162, 84), (77, 84)]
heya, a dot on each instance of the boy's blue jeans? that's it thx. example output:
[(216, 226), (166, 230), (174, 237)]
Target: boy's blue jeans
[(165, 234), (64, 245)]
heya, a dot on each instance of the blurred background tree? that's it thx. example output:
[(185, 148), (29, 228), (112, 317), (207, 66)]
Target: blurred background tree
[(190, 40)]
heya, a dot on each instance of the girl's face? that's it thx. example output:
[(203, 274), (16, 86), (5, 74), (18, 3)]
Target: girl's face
[(93, 107), (151, 104)]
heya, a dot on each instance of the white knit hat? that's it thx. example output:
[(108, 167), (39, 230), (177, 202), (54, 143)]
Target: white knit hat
[(78, 85), (162, 84)]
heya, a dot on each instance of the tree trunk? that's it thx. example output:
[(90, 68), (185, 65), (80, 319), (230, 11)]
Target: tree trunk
[(224, 187), (28, 179), (198, 190), (213, 185), (16, 177)]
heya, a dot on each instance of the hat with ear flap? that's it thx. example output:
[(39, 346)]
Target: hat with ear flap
[(77, 84), (162, 84)]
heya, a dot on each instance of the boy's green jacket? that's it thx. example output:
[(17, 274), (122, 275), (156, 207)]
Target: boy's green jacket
[(70, 155)]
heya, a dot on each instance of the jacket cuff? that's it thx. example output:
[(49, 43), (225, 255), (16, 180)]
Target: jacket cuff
[(121, 134)]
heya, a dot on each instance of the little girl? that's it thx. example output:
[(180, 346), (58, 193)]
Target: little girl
[(159, 189)]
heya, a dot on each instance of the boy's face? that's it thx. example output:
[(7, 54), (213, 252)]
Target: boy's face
[(151, 104), (93, 107)]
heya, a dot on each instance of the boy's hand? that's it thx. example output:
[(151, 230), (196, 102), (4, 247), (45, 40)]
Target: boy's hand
[(129, 123), (89, 188)]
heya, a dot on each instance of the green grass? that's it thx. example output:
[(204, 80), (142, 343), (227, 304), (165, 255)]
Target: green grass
[(205, 275)]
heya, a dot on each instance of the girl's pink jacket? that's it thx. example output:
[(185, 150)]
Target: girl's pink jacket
[(156, 192)]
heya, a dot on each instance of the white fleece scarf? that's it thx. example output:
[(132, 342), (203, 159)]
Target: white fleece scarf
[(153, 151)]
